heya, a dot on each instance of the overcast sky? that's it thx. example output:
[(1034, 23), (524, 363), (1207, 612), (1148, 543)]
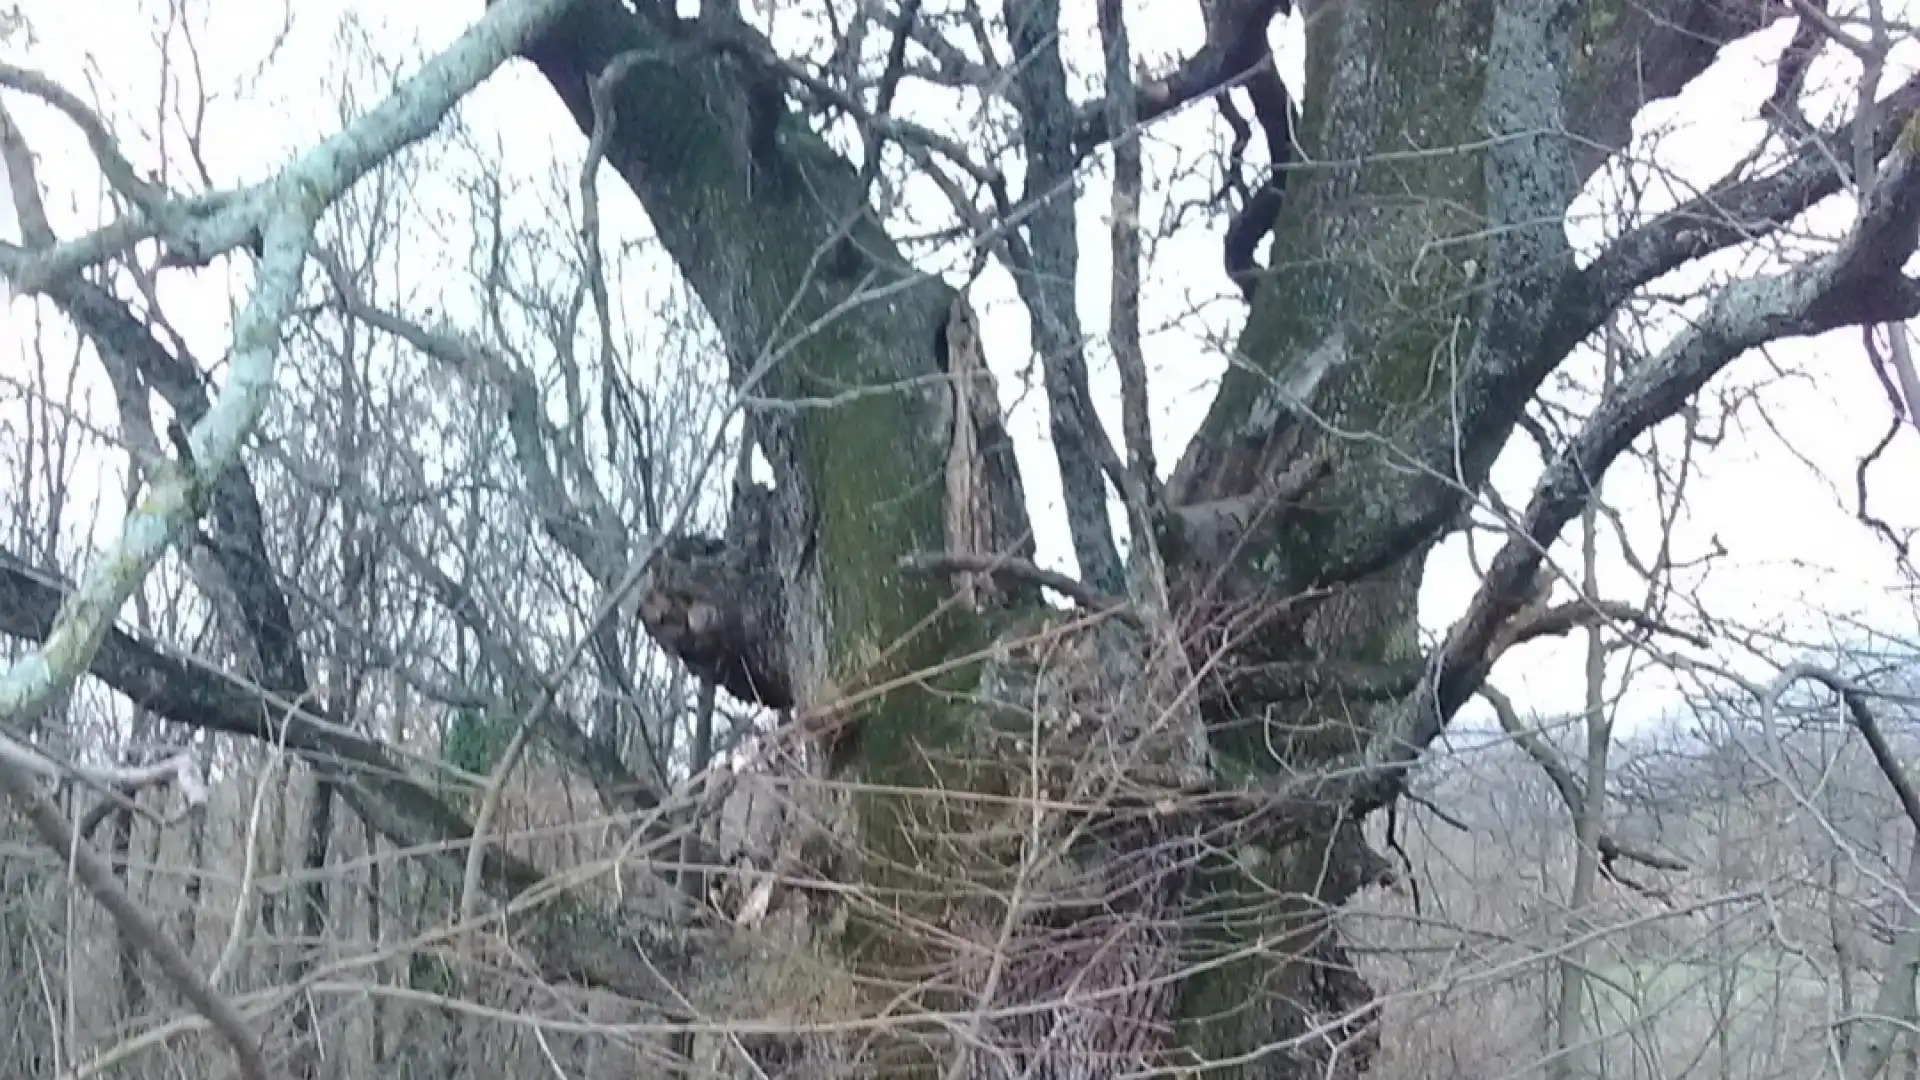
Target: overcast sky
[(1776, 492)]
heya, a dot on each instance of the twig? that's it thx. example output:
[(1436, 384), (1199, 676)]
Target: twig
[(1439, 814)]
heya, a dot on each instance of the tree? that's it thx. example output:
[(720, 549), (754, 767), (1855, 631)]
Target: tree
[(1104, 840), (1316, 540)]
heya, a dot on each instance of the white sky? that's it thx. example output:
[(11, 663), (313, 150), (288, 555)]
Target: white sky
[(1779, 501)]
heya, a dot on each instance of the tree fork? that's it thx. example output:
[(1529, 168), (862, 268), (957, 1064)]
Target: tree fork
[(1378, 271)]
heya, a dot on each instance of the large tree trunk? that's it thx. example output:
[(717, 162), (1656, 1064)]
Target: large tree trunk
[(1421, 293)]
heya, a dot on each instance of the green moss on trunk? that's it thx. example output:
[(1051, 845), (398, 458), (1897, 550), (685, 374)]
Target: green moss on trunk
[(1367, 306)]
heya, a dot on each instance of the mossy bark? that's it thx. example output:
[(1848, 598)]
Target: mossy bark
[(1369, 284), (815, 301), (1355, 331)]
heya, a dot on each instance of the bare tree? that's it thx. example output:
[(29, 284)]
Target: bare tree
[(1010, 839)]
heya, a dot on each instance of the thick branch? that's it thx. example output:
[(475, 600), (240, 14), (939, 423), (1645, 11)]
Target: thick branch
[(1635, 52), (1862, 718), (813, 300), (114, 166), (1859, 283), (174, 501), (1236, 43), (1123, 333), (1046, 268), (1732, 212), (1566, 312), (239, 539), (284, 212), (23, 183)]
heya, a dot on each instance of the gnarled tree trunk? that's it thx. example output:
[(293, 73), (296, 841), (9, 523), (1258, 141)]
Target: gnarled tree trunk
[(1422, 289)]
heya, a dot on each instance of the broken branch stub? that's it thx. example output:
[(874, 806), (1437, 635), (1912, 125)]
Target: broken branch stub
[(720, 610)]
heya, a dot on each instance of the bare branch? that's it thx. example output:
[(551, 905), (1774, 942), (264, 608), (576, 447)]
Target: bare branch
[(1868, 1050), (1045, 269), (1862, 717), (119, 171), (375, 783), (1784, 103), (1236, 43), (32, 682), (23, 183), (1814, 14), (136, 362), (590, 533), (284, 211), (1565, 618), (1860, 282), (179, 770), (1733, 212), (1124, 305)]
